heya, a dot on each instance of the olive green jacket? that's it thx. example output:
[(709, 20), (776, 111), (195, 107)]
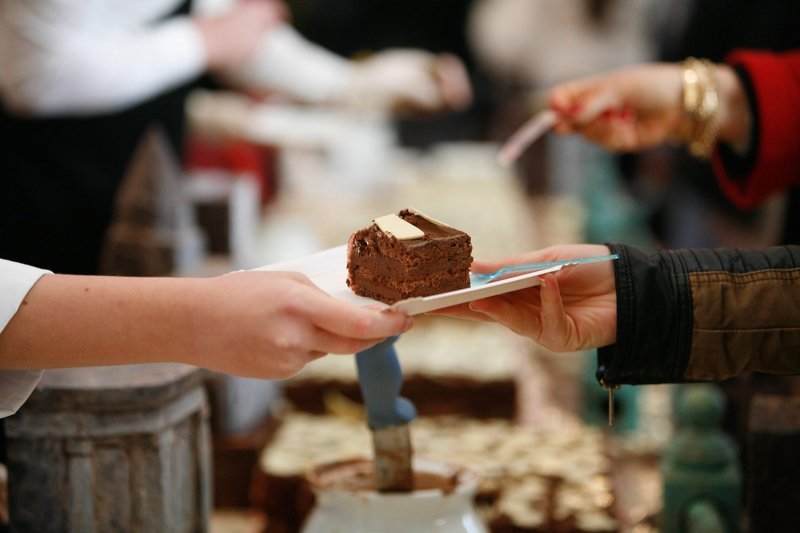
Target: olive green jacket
[(703, 315)]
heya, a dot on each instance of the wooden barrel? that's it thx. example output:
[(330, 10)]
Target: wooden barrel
[(122, 448)]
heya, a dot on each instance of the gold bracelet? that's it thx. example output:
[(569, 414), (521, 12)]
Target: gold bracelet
[(700, 106)]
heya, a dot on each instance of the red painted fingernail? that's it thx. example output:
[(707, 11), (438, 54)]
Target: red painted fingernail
[(627, 115)]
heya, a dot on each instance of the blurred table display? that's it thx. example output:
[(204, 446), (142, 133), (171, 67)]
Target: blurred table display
[(533, 480), (449, 367)]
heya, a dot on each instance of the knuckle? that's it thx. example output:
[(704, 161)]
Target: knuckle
[(287, 343), (294, 305), (363, 325), (301, 278)]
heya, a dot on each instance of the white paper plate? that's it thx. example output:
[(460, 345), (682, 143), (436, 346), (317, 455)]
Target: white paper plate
[(328, 270)]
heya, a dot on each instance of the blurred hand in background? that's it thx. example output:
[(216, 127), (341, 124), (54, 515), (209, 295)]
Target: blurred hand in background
[(640, 107), (409, 81), (232, 36)]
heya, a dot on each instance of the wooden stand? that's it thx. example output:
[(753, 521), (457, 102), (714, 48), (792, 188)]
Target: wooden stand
[(112, 449)]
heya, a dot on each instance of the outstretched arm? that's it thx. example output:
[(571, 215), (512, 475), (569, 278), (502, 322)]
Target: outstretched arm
[(660, 316), (749, 111), (256, 324), (640, 107)]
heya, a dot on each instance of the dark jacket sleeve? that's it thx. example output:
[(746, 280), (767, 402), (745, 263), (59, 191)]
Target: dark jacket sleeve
[(703, 315)]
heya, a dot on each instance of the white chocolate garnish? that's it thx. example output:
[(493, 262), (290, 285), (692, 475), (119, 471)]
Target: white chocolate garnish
[(429, 219), (402, 230)]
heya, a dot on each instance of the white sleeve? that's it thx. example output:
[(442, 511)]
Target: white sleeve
[(78, 57), (287, 62), (15, 282)]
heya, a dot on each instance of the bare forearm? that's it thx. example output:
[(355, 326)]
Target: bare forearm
[(266, 325), (78, 321)]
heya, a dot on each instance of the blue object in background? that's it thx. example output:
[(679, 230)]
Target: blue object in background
[(381, 378)]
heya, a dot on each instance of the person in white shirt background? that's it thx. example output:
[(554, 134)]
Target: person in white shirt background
[(80, 82)]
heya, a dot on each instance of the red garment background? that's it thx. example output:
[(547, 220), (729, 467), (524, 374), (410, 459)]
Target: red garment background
[(776, 82)]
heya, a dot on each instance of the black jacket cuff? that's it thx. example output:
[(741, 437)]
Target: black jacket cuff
[(654, 318)]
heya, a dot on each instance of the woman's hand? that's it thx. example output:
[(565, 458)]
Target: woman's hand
[(640, 107), (270, 324), (623, 110), (573, 309)]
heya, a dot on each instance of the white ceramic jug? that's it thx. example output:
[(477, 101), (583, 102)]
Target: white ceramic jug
[(347, 502)]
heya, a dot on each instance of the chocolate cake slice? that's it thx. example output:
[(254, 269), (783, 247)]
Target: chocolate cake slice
[(406, 255)]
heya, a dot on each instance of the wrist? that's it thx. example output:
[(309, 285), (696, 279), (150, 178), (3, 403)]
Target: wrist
[(167, 319), (213, 54), (201, 326), (735, 122)]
